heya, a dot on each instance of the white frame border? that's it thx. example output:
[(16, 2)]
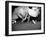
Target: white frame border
[(26, 31)]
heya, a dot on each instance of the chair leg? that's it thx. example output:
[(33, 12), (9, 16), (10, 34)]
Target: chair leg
[(28, 19)]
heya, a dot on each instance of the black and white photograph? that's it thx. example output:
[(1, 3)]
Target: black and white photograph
[(24, 18)]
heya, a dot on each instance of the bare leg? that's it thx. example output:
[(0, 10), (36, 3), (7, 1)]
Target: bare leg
[(24, 19)]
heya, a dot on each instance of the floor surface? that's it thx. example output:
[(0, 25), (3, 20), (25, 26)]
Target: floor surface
[(26, 26)]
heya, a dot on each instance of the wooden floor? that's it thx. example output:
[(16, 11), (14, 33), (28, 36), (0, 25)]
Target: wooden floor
[(26, 26)]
